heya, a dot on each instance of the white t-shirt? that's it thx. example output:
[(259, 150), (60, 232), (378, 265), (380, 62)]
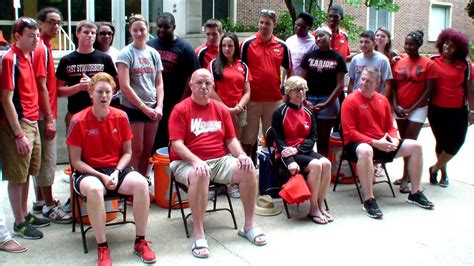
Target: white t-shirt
[(298, 47)]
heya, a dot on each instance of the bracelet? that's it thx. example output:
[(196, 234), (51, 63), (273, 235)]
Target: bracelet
[(239, 107), (116, 169), (19, 136)]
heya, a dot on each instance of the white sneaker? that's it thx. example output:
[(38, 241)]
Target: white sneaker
[(233, 191)]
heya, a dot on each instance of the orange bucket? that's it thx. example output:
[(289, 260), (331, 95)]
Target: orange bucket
[(111, 205), (162, 172), (334, 155)]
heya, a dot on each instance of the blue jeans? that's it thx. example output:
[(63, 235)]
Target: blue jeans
[(330, 112)]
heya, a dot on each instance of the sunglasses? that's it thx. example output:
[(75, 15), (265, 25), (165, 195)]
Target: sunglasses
[(299, 89), (268, 13), (22, 23), (106, 33)]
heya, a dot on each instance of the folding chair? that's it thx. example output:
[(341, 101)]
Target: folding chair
[(122, 208), (212, 187), (346, 158), (282, 173)]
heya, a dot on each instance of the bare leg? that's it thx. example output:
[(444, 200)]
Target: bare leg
[(136, 185), (94, 190), (314, 182), (197, 195), (149, 134), (412, 150), (24, 197), (16, 201), (325, 182), (247, 181), (365, 169)]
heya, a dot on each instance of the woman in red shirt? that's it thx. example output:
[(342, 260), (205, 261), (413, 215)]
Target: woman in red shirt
[(448, 111), (231, 77), (413, 81)]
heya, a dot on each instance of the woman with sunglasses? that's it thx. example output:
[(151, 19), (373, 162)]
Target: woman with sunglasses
[(105, 38), (294, 128), (141, 82)]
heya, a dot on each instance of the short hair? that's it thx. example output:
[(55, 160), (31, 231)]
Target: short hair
[(459, 39), (213, 23), (372, 71), (368, 34), (307, 18), (417, 35), (137, 17), (85, 24), (22, 23), (295, 82), (101, 76), (338, 9), (43, 13), (168, 16), (269, 14)]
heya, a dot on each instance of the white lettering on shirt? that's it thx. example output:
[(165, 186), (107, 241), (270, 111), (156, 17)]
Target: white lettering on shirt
[(199, 127)]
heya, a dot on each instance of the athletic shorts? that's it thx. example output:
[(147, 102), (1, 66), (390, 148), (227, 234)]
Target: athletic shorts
[(418, 115), (78, 177), (135, 115), (303, 159), (350, 151)]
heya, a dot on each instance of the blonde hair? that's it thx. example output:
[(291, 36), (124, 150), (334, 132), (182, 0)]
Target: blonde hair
[(295, 82), (101, 76), (85, 24), (137, 17)]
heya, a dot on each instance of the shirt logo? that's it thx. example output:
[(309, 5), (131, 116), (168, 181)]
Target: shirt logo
[(276, 50), (364, 106), (306, 125), (115, 131), (93, 132), (198, 126)]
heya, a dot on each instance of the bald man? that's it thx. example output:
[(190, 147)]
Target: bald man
[(204, 149)]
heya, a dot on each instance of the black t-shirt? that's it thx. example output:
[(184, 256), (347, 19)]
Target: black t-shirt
[(72, 66), (322, 67)]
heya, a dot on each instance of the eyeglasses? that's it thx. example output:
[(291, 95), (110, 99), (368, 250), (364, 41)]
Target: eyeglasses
[(299, 89), (54, 22), (106, 33), (268, 13), (22, 23)]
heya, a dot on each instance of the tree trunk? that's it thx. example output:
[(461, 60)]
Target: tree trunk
[(291, 9)]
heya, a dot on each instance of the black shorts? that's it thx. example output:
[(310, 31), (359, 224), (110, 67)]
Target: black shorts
[(351, 155), (449, 126), (135, 115), (78, 177), (303, 159)]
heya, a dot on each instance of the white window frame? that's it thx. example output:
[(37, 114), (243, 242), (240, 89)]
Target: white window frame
[(448, 6), (391, 21)]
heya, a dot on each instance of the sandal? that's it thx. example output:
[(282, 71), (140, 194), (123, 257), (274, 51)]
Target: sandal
[(405, 189), (252, 235), (399, 181), (318, 219), (329, 217), (200, 244), (12, 246)]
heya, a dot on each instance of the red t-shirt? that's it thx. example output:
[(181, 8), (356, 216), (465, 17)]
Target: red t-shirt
[(340, 43), (449, 91), (264, 60), (230, 87), (366, 119), (411, 75), (18, 76), (101, 141), (203, 129), (206, 53), (43, 65)]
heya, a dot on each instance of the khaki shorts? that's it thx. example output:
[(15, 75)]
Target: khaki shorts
[(48, 159), (221, 170), (240, 120), (16, 167), (257, 111)]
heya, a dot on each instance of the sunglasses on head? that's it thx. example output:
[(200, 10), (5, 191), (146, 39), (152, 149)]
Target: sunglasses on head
[(106, 33), (268, 13), (22, 23)]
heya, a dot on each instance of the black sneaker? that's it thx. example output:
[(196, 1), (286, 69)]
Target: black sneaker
[(57, 215), (36, 221), (372, 209), (27, 231), (420, 199), (38, 207)]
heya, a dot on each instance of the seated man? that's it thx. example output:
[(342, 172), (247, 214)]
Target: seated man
[(369, 134), (202, 136), (99, 141)]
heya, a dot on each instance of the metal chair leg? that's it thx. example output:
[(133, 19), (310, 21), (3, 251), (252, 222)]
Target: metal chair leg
[(170, 196), (180, 201), (388, 179)]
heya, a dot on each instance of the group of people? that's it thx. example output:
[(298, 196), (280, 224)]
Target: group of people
[(208, 105)]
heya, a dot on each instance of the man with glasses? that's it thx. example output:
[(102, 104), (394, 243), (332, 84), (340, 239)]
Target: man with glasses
[(264, 54), (49, 22), (210, 49), (19, 133)]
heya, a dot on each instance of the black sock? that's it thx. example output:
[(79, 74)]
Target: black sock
[(103, 244), (139, 238)]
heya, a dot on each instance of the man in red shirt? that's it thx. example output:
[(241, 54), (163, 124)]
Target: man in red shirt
[(369, 134), (19, 133), (203, 149), (49, 22), (100, 147), (209, 50), (264, 54), (339, 38)]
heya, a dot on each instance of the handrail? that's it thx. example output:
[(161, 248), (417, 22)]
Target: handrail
[(64, 37)]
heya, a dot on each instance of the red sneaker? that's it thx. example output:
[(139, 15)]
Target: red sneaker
[(144, 252), (103, 256)]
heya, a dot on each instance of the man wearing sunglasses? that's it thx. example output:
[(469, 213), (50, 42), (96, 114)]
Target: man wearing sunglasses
[(264, 54), (49, 22), (19, 133)]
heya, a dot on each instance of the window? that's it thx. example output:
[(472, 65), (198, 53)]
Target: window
[(440, 19), (218, 9), (379, 18)]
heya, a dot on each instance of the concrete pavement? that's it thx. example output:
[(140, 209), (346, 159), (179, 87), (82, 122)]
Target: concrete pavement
[(407, 234)]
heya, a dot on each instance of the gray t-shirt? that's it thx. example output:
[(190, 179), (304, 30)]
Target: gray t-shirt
[(143, 65), (378, 61)]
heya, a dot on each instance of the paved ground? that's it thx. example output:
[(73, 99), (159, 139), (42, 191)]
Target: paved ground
[(407, 235)]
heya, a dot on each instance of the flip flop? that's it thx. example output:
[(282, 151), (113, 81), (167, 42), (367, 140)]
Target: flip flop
[(252, 234), (399, 181), (200, 244), (405, 189), (318, 219), (12, 246), (329, 217)]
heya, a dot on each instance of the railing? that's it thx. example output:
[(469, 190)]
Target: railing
[(66, 39)]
